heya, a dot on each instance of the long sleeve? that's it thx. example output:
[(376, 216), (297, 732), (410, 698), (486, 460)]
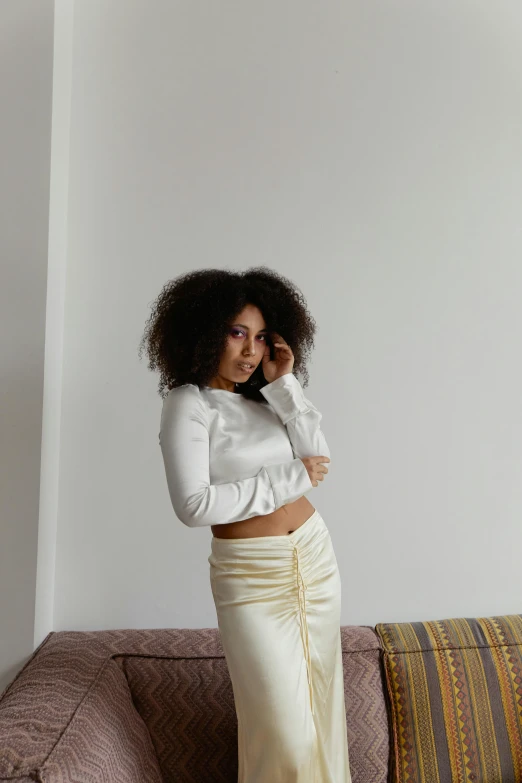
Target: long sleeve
[(300, 417), (184, 442)]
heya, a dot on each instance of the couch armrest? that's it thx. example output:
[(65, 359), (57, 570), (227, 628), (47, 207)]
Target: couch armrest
[(104, 739)]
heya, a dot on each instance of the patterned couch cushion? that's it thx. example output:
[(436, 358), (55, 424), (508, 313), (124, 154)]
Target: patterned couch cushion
[(455, 692), (68, 715), (106, 739), (187, 705), (136, 705), (366, 715)]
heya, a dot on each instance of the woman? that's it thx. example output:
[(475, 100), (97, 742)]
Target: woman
[(242, 446)]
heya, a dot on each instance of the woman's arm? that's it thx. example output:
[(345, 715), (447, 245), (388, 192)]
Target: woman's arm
[(184, 442), (301, 419)]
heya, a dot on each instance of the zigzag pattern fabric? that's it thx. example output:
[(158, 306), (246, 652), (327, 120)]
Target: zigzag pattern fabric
[(455, 694), (156, 706)]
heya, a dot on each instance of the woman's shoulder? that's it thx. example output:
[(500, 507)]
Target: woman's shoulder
[(183, 404), (184, 388), (188, 395)]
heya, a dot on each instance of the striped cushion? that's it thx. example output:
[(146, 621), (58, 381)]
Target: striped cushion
[(455, 696)]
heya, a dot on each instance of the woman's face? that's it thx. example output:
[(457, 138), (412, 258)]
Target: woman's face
[(247, 339)]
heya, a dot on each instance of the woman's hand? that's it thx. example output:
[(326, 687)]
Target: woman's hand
[(283, 361), (315, 467), (272, 370)]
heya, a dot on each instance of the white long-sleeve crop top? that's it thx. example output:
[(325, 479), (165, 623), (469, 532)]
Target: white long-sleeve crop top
[(229, 458)]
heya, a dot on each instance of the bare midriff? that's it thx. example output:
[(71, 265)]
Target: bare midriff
[(279, 523)]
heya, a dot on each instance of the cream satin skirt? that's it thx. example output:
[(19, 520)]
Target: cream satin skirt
[(278, 604)]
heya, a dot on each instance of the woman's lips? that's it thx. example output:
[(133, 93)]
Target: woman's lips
[(245, 369)]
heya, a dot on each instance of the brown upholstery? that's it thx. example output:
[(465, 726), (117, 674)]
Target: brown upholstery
[(145, 706), (156, 705)]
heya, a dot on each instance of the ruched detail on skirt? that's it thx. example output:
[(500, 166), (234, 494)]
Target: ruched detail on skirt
[(278, 605)]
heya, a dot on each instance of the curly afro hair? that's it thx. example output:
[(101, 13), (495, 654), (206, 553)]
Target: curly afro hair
[(188, 328)]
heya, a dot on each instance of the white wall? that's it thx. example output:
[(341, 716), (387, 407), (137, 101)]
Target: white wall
[(54, 326), (26, 62), (372, 152)]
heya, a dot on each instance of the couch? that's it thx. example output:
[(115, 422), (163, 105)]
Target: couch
[(426, 702)]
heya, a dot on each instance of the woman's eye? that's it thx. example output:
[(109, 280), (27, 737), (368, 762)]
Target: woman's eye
[(240, 333)]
